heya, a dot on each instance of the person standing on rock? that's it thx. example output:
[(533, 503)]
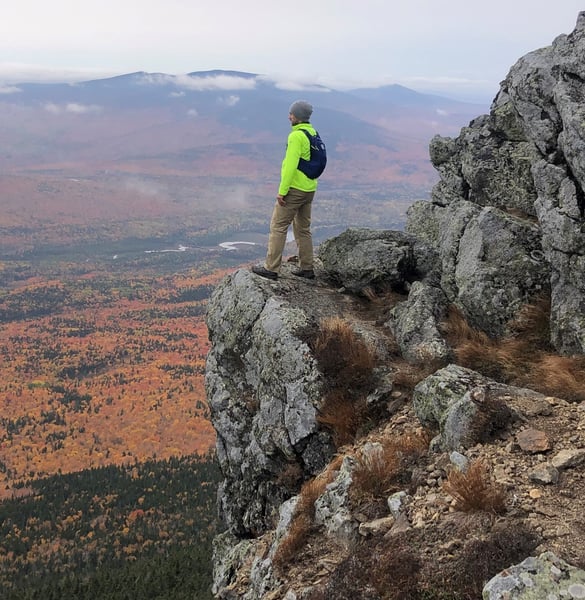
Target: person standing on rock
[(294, 200)]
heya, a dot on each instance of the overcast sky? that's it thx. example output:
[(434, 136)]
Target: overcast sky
[(448, 46)]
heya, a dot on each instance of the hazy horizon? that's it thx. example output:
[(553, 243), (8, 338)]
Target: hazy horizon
[(452, 49)]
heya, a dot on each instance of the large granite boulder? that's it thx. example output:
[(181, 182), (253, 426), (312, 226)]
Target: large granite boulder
[(361, 259), (464, 406)]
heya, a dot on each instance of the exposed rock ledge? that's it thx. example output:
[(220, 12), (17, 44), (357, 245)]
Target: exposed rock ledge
[(504, 226)]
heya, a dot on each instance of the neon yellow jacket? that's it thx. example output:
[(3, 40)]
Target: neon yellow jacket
[(297, 146)]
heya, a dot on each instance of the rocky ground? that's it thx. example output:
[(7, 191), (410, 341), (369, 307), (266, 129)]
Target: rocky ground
[(537, 461)]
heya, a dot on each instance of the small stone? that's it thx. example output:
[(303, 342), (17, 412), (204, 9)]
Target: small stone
[(396, 503), (419, 522), (556, 573), (568, 458), (537, 407), (376, 527), (535, 493), (500, 472), (459, 460), (400, 526), (533, 441), (546, 474)]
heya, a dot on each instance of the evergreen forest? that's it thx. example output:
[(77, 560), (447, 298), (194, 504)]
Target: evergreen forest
[(117, 532)]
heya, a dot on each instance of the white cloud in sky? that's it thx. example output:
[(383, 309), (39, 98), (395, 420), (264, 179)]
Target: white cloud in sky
[(335, 41), (71, 108), (9, 89), (289, 84), (200, 83), (20, 72), (228, 100)]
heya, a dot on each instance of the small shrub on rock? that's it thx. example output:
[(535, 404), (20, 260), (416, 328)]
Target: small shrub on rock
[(343, 415), (473, 490), (342, 355)]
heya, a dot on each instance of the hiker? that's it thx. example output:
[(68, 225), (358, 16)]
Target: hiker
[(294, 198)]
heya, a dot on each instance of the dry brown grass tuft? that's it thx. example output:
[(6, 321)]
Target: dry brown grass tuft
[(561, 376), (291, 545), (342, 355), (458, 330), (378, 470), (473, 490), (302, 523), (343, 415), (373, 574), (310, 491), (522, 359), (533, 323), (395, 569), (493, 416), (473, 348), (481, 557)]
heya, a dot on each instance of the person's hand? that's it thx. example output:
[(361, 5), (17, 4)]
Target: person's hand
[(280, 199)]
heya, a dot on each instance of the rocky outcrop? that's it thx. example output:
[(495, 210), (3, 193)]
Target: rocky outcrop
[(502, 228), (263, 389), (507, 215)]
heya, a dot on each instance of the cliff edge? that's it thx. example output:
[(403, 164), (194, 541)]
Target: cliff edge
[(412, 422)]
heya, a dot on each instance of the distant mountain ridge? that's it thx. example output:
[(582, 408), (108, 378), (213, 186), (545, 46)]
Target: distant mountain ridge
[(181, 145), (231, 104), (217, 79)]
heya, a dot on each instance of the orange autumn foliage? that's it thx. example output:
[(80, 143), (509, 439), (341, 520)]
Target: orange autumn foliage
[(115, 376)]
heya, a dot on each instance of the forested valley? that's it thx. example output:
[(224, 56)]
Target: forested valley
[(107, 476)]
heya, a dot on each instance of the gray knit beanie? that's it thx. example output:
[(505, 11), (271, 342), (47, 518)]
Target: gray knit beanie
[(301, 109)]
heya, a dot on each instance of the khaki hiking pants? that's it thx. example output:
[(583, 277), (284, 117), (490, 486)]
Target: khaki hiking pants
[(298, 212)]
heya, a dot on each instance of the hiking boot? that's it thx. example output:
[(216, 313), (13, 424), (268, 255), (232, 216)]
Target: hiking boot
[(306, 273), (263, 272)]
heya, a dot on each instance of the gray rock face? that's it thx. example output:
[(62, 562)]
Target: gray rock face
[(364, 258), (332, 507), (499, 268), (525, 158), (263, 388), (415, 324), (537, 578), (451, 401)]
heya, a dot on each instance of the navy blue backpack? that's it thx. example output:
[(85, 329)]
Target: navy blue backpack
[(313, 167)]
